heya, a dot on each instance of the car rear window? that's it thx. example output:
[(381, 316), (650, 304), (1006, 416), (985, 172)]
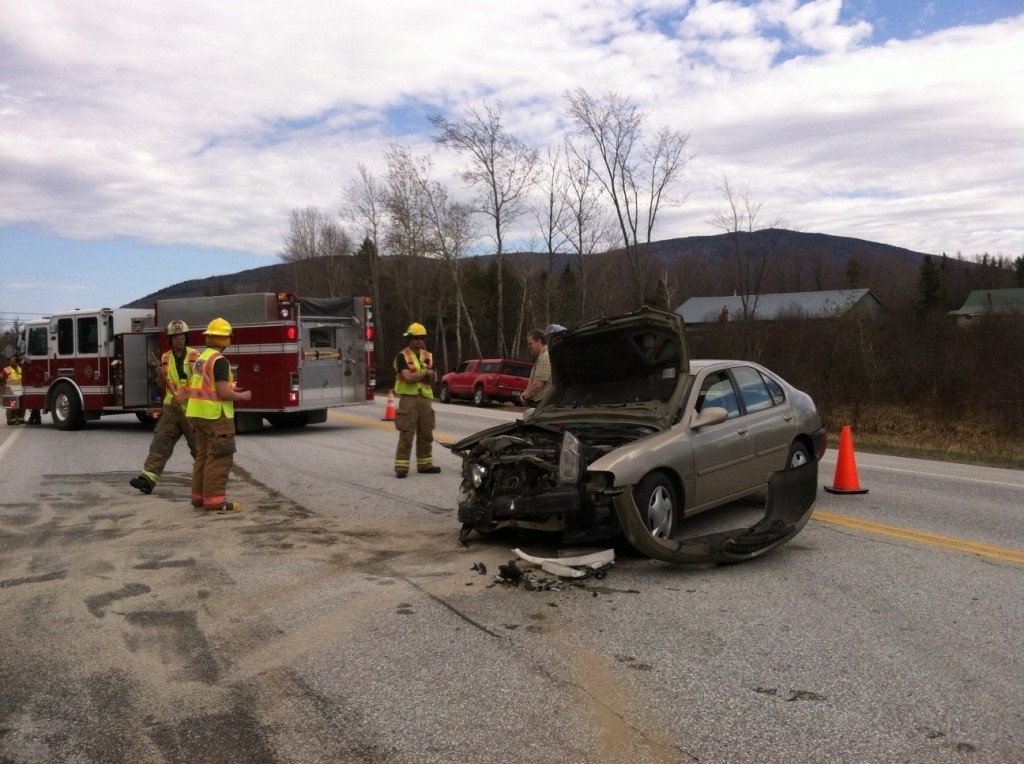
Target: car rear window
[(517, 369), (753, 388)]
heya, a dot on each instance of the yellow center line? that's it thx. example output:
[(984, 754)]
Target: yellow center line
[(922, 537), (382, 425)]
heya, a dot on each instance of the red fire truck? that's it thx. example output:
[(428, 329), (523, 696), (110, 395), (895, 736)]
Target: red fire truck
[(299, 356)]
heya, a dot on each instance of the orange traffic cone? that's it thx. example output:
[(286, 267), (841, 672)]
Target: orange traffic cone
[(845, 480), (389, 412)]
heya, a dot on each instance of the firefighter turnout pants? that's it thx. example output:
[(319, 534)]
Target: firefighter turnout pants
[(414, 419), (215, 450), (171, 425)]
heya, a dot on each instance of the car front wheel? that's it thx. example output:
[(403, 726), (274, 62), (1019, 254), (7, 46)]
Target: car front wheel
[(798, 456), (655, 497)]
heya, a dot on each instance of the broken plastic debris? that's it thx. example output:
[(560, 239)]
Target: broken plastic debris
[(570, 567)]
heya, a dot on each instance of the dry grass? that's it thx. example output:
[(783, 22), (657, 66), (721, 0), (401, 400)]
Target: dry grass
[(906, 432)]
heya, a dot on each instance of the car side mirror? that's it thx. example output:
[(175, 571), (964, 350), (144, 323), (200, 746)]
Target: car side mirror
[(709, 416)]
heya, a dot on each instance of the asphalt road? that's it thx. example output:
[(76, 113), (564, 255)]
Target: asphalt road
[(337, 618)]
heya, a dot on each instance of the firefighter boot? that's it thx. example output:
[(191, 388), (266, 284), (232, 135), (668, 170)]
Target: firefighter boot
[(143, 483), (227, 508)]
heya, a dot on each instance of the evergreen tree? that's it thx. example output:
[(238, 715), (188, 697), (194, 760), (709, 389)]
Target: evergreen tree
[(929, 287)]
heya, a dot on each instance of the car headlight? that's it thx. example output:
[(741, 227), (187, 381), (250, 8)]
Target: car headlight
[(478, 473), (570, 462)]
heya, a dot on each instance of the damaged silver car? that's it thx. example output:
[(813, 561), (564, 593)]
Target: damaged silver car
[(635, 436)]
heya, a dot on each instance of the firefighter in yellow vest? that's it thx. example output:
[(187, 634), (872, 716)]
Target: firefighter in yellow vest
[(172, 375), (10, 376), (211, 397), (414, 418)]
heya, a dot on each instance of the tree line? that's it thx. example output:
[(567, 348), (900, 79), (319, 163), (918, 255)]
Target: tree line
[(591, 205)]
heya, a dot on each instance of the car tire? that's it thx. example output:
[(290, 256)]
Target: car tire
[(444, 396), (798, 455), (655, 497), (479, 399)]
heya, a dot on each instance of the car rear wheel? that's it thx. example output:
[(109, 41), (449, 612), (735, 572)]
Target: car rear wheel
[(656, 499), (479, 399), (798, 456), (445, 396)]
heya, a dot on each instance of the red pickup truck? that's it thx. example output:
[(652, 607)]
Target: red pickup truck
[(486, 379)]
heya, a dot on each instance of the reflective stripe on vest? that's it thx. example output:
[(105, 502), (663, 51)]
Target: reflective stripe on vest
[(418, 364), (203, 401), (174, 384)]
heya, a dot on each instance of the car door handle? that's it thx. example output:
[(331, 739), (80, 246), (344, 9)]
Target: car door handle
[(788, 417), (743, 431)]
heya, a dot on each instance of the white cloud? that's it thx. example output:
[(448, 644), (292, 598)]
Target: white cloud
[(205, 124)]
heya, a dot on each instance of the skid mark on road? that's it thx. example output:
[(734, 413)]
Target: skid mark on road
[(923, 537)]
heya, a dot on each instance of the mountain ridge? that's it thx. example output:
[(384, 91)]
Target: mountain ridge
[(716, 247)]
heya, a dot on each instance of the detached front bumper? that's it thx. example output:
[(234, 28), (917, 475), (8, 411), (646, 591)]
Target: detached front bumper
[(791, 495)]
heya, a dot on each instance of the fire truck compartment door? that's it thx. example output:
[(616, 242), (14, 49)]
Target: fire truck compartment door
[(327, 379), (138, 388)]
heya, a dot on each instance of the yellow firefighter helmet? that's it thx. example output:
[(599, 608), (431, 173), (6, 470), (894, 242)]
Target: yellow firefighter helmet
[(416, 330), (177, 327), (218, 328)]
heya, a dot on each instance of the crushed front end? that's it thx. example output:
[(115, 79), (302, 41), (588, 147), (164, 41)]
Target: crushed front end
[(534, 476)]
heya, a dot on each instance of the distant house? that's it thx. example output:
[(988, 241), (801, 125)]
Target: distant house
[(990, 302), (855, 303)]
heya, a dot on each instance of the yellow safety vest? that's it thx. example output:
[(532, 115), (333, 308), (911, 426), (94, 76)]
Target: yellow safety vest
[(174, 384), (13, 376), (418, 363), (203, 401)]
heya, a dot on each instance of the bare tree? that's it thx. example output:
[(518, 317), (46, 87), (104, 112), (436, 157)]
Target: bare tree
[(453, 233), (668, 286), (300, 243), (364, 196), (408, 232), (587, 228), (755, 246), (637, 176), (501, 169), (318, 249), (550, 212)]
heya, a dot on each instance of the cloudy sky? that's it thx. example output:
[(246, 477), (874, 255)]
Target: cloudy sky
[(147, 143)]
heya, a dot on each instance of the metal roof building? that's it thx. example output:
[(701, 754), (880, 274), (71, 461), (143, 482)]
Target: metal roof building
[(859, 303), (990, 302)]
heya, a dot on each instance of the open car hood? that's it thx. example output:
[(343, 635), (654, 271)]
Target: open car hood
[(632, 367)]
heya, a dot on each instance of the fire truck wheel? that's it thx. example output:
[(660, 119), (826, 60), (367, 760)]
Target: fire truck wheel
[(288, 421), (66, 409)]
